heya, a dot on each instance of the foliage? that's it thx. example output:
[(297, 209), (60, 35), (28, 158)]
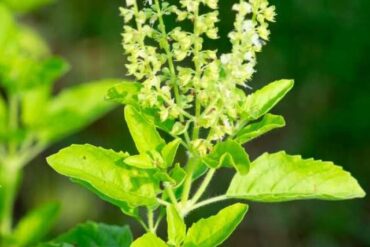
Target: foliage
[(202, 100), (31, 118)]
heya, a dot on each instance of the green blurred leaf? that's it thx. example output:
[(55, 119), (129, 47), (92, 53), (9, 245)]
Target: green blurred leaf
[(176, 228), (124, 92), (254, 130), (145, 135), (213, 231), (228, 154), (73, 109), (149, 240), (106, 172), (23, 6), (93, 234), (3, 118), (34, 226), (280, 177), (262, 101)]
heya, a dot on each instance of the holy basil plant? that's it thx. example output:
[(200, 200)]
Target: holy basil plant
[(31, 118), (195, 100)]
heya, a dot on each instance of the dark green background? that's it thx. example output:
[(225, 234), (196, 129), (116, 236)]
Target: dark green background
[(323, 44)]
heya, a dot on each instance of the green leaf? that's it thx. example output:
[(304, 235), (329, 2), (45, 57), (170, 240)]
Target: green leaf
[(228, 154), (263, 100), (93, 234), (178, 174), (62, 117), (124, 92), (213, 231), (106, 172), (254, 130), (142, 161), (280, 177), (149, 240), (34, 226), (176, 228), (26, 5), (3, 118), (124, 206), (145, 135), (169, 152)]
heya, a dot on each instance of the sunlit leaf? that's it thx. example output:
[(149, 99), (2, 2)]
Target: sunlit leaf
[(176, 228), (145, 135), (213, 231), (149, 240), (106, 172), (262, 101), (280, 177), (169, 152), (256, 129), (124, 93)]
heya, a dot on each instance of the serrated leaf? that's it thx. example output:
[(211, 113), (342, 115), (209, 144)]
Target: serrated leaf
[(280, 177), (92, 234), (149, 240), (145, 135), (213, 231), (257, 129), (106, 172), (169, 152), (262, 101), (124, 92), (34, 226), (62, 117), (228, 154), (176, 228)]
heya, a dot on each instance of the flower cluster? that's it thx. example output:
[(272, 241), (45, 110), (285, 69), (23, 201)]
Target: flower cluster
[(198, 88)]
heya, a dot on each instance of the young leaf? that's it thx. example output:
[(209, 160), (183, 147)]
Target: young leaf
[(62, 117), (254, 130), (94, 235), (105, 171), (213, 231), (145, 135), (228, 154), (178, 174), (262, 101), (169, 152), (34, 226), (149, 240), (124, 92), (280, 177), (176, 228)]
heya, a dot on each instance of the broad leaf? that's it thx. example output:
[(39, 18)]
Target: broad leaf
[(254, 130), (262, 101), (124, 206), (176, 228), (33, 227), (124, 92), (280, 177), (228, 154), (106, 172), (149, 240), (169, 152), (73, 109), (145, 135), (213, 231), (92, 234)]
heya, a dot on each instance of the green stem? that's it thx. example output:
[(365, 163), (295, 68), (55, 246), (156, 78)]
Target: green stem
[(193, 161), (203, 186), (151, 221), (207, 202)]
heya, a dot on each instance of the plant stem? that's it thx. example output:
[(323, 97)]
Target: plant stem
[(203, 186), (151, 221), (207, 202), (188, 179)]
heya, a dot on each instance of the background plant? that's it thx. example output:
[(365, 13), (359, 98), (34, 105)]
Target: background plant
[(31, 119), (204, 109)]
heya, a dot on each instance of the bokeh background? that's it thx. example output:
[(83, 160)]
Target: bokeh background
[(323, 44)]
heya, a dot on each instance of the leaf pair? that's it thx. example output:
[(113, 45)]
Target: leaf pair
[(209, 232)]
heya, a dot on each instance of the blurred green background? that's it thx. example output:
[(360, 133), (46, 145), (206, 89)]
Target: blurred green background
[(324, 45)]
